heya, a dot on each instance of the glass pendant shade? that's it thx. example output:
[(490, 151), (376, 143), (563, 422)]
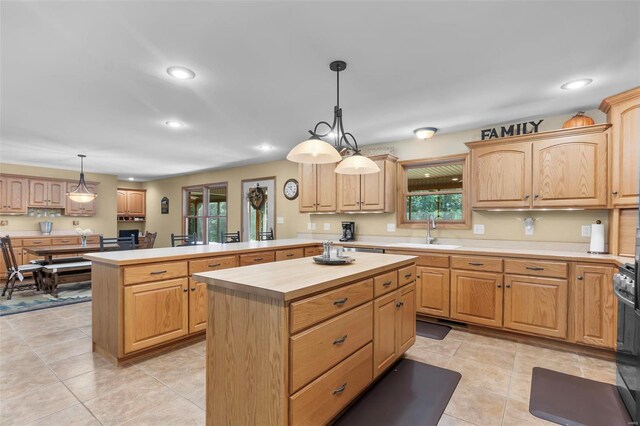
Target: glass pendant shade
[(314, 151), (81, 194), (357, 164)]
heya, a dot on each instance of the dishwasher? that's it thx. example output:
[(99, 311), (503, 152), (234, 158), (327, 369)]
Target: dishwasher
[(364, 249)]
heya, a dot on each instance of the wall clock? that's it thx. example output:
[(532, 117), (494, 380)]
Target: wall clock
[(290, 189)]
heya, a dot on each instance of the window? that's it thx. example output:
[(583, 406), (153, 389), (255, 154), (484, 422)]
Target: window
[(206, 220), (436, 186)]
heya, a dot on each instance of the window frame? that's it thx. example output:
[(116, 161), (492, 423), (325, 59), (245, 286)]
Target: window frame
[(205, 196), (403, 192)]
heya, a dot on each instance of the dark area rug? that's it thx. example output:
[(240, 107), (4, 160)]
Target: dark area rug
[(431, 330), (25, 300), (411, 393), (571, 400)]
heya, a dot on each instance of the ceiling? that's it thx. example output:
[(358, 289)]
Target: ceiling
[(89, 77)]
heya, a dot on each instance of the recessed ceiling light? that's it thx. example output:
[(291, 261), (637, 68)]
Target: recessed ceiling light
[(576, 84), (130, 178), (425, 132), (265, 147), (174, 124), (454, 179), (181, 73), (427, 175)]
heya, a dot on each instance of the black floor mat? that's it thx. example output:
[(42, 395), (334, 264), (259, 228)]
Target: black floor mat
[(431, 330), (571, 400), (411, 393)]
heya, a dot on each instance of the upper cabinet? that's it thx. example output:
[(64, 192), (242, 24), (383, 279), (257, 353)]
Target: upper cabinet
[(371, 192), (131, 202), (74, 208), (13, 195), (317, 187), (562, 168), (623, 113), (47, 193)]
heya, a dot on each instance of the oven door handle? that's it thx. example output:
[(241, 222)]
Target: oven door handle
[(623, 299)]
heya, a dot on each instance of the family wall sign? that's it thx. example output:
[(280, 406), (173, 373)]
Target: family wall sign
[(511, 130)]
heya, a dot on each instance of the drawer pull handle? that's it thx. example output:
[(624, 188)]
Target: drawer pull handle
[(535, 268), (476, 264), (407, 275), (257, 259), (213, 265), (340, 301), (340, 389), (290, 255), (158, 272), (37, 242), (340, 340), (64, 241), (386, 283)]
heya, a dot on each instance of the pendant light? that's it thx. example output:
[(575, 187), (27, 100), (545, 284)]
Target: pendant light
[(316, 151), (81, 194)]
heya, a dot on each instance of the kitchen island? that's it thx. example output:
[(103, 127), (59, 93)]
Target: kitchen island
[(295, 342)]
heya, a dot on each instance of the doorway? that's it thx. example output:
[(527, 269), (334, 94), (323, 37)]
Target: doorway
[(258, 217)]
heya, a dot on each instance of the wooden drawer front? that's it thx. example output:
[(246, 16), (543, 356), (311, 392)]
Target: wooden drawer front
[(312, 251), (489, 264), (93, 239), (319, 402), (256, 258), (308, 312), (385, 283), (289, 254), (318, 349), (36, 242), (406, 275), (212, 264), (154, 272), (424, 259), (64, 241), (537, 268)]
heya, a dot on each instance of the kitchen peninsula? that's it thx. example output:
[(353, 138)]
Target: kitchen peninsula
[(294, 342)]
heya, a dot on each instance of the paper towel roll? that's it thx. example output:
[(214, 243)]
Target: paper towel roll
[(597, 238)]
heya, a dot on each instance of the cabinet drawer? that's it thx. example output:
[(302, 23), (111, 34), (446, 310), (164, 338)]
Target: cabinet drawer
[(319, 402), (93, 239), (385, 283), (289, 254), (212, 264), (154, 272), (36, 242), (425, 259), (256, 258), (489, 264), (406, 275), (318, 349), (64, 241), (540, 268), (308, 312), (312, 251)]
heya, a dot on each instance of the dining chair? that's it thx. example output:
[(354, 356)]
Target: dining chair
[(230, 237), (123, 243), (15, 271), (148, 240), (184, 240), (266, 235)]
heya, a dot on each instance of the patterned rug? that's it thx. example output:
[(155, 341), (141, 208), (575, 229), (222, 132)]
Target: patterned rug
[(32, 300)]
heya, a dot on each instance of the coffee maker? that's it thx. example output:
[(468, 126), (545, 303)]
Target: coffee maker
[(348, 231)]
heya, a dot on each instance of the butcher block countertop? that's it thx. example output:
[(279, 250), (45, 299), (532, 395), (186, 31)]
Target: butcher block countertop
[(298, 278)]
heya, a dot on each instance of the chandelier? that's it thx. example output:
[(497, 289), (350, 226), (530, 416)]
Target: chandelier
[(315, 150), (81, 194)]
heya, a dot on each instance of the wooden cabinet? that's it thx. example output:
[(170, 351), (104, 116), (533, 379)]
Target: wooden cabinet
[(155, 313), (501, 175), (570, 171), (73, 208), (595, 305), (13, 195), (289, 254), (561, 168), (476, 297), (536, 305), (256, 258), (197, 306), (371, 192), (131, 202), (623, 112), (47, 193), (317, 188), (406, 317), (433, 291)]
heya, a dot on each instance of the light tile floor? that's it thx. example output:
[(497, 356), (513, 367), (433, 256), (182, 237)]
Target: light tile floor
[(49, 376)]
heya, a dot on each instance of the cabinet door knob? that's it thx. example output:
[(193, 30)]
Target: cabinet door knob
[(526, 197), (614, 193), (579, 277), (499, 285), (185, 290), (536, 196), (508, 286), (193, 289)]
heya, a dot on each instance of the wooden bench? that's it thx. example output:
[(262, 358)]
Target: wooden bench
[(60, 273)]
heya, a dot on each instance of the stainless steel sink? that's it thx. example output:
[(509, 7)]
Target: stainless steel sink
[(425, 246)]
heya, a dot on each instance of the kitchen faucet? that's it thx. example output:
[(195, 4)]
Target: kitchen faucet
[(431, 225)]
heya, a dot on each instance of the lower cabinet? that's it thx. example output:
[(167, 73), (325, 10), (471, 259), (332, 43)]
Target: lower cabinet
[(433, 291), (595, 306), (394, 326), (197, 306), (155, 313), (476, 297), (536, 305)]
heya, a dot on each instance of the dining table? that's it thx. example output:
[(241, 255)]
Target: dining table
[(48, 252)]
